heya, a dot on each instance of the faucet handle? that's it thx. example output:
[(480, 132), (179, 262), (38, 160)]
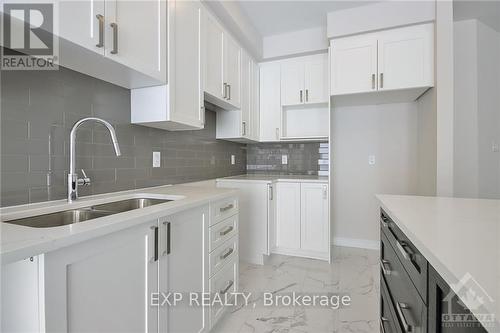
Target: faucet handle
[(85, 181)]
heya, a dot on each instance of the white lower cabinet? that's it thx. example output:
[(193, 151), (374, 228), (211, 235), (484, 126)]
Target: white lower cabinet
[(302, 220), (103, 285), (225, 281)]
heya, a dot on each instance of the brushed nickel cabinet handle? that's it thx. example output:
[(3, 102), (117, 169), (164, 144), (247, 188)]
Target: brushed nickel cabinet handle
[(277, 133), (300, 93), (115, 38), (225, 232), (244, 128), (229, 285), (224, 90), (227, 254), (373, 81), (270, 187), (385, 265), (229, 88), (155, 256), (228, 207), (100, 18), (402, 248), (381, 80), (400, 309), (382, 321), (307, 95)]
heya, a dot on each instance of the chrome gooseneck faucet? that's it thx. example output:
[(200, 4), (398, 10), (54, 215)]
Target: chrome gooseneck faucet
[(73, 180)]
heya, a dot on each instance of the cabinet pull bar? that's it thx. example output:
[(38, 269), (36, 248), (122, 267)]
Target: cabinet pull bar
[(228, 207), (100, 18), (400, 307), (381, 80), (307, 95), (115, 38), (155, 257), (225, 232), (244, 128), (270, 187), (229, 88), (385, 266), (229, 285), (227, 254), (277, 133), (224, 90), (167, 224), (402, 248), (382, 327), (373, 81), (300, 93)]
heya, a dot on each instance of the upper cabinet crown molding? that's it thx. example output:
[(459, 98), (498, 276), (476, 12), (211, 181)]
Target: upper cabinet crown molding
[(395, 65)]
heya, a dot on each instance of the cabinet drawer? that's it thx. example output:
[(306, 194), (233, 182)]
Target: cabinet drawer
[(409, 307), (223, 209), (225, 281), (413, 261), (222, 231), (388, 320), (222, 255)]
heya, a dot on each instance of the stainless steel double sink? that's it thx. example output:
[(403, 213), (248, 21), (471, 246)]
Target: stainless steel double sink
[(86, 213)]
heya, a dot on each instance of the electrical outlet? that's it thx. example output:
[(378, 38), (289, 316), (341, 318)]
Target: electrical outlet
[(284, 159), (371, 160), (156, 159), (233, 159)]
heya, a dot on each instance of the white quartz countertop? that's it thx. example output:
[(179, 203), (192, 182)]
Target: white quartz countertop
[(277, 178), (460, 238), (19, 242)]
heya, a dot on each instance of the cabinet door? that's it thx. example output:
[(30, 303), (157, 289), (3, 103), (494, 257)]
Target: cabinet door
[(186, 96), (254, 102), (288, 215), (314, 217), (232, 70), (213, 58), (136, 35), (103, 285), (405, 57), (270, 103), (80, 21), (184, 268), (246, 85), (316, 79), (292, 82), (353, 64)]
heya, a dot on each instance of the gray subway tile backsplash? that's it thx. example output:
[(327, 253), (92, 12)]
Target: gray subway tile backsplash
[(38, 108)]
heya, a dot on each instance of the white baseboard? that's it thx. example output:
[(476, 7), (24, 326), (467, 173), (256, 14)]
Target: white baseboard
[(355, 242)]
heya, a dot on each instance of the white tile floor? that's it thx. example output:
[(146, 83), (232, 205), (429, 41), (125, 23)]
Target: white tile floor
[(353, 272)]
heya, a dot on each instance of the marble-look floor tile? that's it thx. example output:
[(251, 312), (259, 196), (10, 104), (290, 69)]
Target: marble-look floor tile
[(353, 272)]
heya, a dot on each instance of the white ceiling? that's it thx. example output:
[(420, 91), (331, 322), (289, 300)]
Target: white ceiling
[(275, 17)]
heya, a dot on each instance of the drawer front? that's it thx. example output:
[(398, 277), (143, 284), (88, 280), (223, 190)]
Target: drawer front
[(222, 209), (222, 255), (225, 281), (221, 232), (388, 320), (409, 307), (413, 261)]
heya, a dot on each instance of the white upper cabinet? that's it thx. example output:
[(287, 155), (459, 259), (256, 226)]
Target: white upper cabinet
[(316, 79), (127, 40), (393, 60), (214, 58), (134, 32), (246, 83), (232, 70), (178, 105), (353, 65), (304, 80), (254, 101), (292, 82), (405, 58), (270, 102)]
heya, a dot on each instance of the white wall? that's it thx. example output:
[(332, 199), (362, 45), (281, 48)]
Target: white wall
[(477, 110), (377, 16), (390, 133), (295, 43), (426, 136)]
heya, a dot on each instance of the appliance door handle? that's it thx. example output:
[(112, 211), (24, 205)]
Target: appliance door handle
[(114, 26), (400, 309), (100, 18)]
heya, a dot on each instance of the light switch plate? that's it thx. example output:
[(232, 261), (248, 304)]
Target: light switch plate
[(284, 159), (371, 159), (233, 159), (156, 159)]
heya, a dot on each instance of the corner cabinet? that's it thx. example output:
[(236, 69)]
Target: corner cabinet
[(388, 66), (178, 105), (302, 220)]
